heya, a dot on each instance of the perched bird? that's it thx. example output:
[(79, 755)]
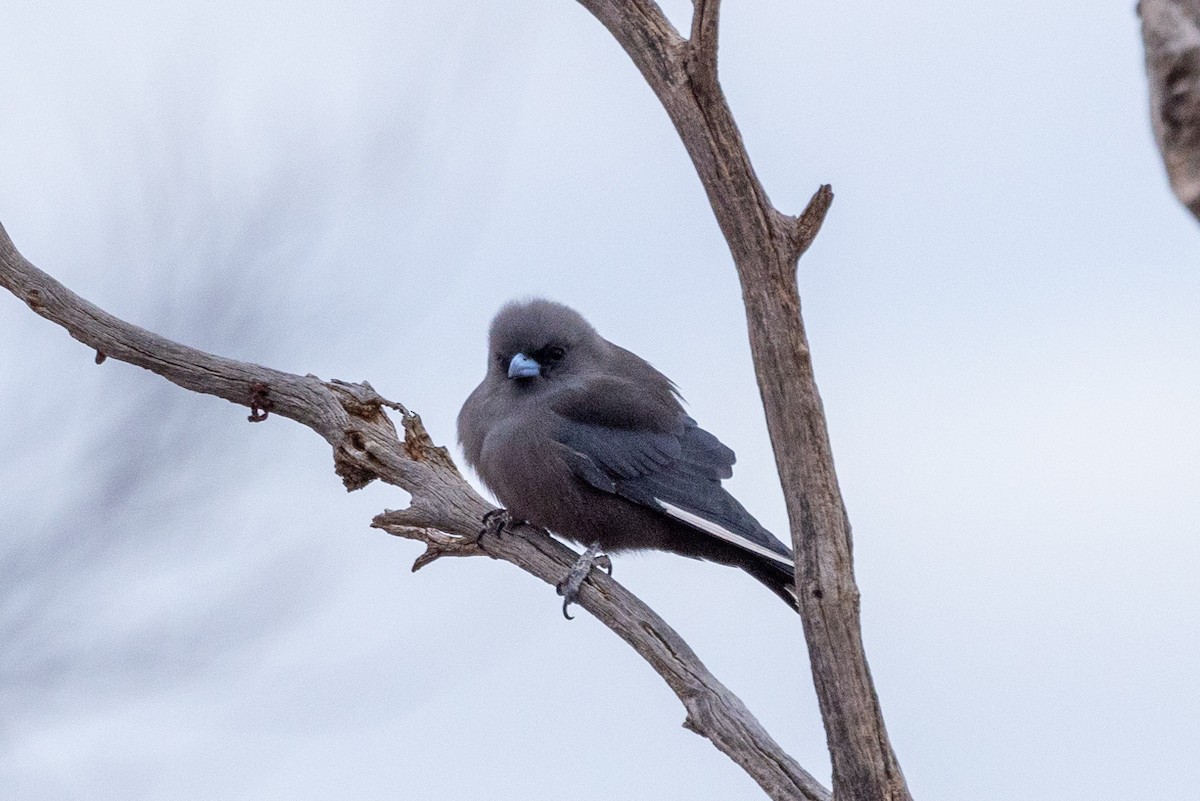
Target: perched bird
[(579, 436)]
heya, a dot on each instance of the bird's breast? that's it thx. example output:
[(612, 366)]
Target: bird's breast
[(524, 466)]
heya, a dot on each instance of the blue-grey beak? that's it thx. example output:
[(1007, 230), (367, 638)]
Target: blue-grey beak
[(522, 366)]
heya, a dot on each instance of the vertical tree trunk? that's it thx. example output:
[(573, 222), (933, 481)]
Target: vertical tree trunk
[(766, 245)]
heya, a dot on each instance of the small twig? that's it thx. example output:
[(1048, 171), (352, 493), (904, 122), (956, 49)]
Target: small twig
[(437, 543), (703, 42), (804, 229)]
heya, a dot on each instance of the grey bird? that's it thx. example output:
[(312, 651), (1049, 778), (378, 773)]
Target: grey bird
[(583, 438)]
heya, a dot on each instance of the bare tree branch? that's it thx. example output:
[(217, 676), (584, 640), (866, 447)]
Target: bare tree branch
[(445, 512), (1171, 34), (765, 245)]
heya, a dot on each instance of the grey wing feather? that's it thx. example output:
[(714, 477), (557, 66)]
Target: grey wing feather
[(677, 473), (623, 453)]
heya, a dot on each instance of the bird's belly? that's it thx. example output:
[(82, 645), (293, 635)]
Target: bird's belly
[(526, 473), (532, 479)]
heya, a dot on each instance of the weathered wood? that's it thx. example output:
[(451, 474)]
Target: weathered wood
[(445, 512), (1171, 35), (765, 245)]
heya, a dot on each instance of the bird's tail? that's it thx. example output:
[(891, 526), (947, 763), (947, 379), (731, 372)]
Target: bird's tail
[(777, 578)]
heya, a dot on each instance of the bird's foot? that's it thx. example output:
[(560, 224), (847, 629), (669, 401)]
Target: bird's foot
[(568, 588), (494, 523)]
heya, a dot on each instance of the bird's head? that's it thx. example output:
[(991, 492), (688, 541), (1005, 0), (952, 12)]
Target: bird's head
[(537, 341)]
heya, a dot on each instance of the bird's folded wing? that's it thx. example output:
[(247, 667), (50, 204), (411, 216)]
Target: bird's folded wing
[(677, 473)]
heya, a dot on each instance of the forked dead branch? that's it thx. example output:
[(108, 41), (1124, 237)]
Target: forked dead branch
[(766, 244), (445, 513)]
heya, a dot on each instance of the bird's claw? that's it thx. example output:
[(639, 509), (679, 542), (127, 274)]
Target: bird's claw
[(568, 588), (494, 523)]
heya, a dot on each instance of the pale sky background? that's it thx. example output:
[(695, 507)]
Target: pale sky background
[(1003, 308)]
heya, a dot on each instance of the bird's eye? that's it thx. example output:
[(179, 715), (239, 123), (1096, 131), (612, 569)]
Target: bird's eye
[(554, 353)]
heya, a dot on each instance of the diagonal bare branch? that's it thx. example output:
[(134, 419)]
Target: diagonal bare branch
[(445, 512)]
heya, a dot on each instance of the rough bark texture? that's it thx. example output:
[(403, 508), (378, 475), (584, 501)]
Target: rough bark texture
[(766, 245), (445, 513), (1171, 34)]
